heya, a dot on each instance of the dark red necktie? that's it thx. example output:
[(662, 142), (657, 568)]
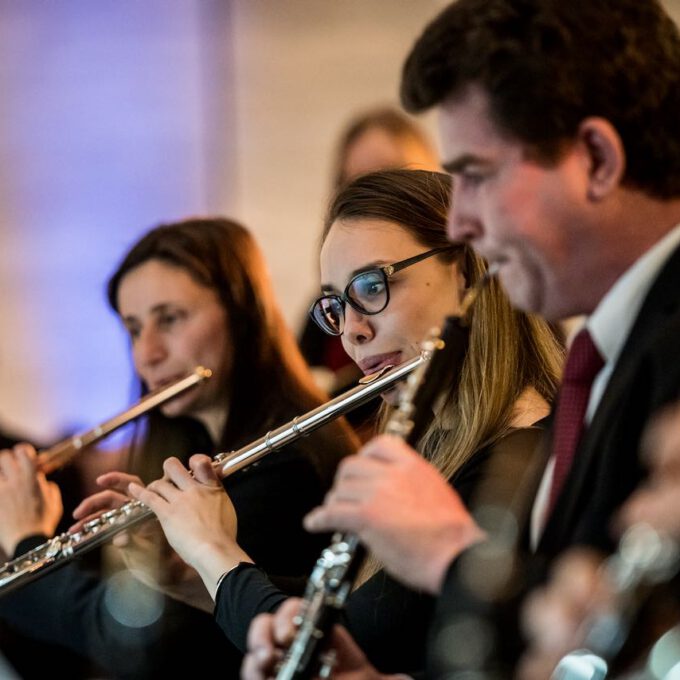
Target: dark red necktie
[(583, 364)]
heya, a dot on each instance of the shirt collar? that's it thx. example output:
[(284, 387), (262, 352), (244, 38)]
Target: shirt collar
[(613, 318)]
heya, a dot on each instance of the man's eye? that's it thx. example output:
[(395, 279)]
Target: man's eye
[(472, 178)]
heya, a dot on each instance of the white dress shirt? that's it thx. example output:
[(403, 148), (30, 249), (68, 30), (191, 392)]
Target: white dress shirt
[(609, 326)]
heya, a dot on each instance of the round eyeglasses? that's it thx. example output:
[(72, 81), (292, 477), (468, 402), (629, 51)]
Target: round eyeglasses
[(368, 293)]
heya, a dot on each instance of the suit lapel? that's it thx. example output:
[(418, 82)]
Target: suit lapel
[(661, 303)]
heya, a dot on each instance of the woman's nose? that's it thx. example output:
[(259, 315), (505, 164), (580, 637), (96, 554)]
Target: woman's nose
[(149, 348), (358, 328)]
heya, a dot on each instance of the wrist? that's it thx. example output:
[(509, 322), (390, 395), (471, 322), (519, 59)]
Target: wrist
[(456, 543), (214, 563), (10, 540)]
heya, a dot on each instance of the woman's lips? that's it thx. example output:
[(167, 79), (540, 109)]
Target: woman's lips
[(377, 361), (164, 382)]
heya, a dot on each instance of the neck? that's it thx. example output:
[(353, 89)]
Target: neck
[(641, 221), (529, 408), (617, 234), (214, 421)]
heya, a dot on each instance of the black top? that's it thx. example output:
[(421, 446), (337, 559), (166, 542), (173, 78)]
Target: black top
[(80, 610), (387, 619)]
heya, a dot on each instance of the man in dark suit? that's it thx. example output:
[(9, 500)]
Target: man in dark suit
[(558, 121)]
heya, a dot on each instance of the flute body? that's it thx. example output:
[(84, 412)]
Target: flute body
[(64, 547), (62, 453)]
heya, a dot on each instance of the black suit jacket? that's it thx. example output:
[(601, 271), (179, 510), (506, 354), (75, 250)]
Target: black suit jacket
[(606, 470)]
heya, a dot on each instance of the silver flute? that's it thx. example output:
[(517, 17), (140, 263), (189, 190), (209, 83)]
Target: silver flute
[(62, 453), (64, 547)]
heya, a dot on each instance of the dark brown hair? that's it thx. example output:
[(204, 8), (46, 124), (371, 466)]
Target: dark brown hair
[(269, 381), (545, 65)]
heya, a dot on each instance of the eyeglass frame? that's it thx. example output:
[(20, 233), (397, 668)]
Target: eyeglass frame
[(387, 271)]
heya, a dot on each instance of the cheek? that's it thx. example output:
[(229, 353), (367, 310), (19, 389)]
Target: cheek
[(216, 352), (348, 347)]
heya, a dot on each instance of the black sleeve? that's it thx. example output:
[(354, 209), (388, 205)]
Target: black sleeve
[(476, 625), (128, 629), (87, 613), (245, 592)]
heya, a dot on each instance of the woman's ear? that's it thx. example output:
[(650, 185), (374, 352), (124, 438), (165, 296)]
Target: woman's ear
[(605, 156)]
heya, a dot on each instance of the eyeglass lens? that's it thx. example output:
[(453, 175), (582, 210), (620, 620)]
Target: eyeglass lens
[(329, 314), (368, 291)]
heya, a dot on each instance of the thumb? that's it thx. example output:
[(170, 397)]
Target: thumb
[(201, 466)]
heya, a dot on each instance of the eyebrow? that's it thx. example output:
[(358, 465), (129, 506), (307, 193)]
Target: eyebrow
[(376, 264), (457, 165)]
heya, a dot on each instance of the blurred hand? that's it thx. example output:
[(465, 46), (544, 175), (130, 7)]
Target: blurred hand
[(115, 494), (657, 502), (402, 509), (556, 618), (271, 634), (29, 504)]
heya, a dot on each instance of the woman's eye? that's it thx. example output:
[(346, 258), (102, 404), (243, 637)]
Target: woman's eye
[(133, 332), (167, 320), (369, 287), (375, 288)]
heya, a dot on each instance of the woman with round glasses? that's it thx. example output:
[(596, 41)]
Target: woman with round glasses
[(388, 275)]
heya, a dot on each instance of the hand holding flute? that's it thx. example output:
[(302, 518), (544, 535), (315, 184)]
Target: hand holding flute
[(29, 503), (197, 516)]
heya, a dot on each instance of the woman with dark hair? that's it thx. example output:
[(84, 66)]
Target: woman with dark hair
[(388, 275), (191, 293)]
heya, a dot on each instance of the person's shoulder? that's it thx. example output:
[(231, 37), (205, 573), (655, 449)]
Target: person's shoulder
[(508, 457), (519, 438)]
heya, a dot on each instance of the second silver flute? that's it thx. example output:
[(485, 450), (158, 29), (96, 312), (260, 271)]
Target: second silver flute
[(62, 453), (64, 547)]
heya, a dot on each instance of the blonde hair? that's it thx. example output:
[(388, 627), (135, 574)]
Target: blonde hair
[(509, 351)]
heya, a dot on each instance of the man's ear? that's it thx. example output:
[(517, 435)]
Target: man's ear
[(460, 274), (605, 156)]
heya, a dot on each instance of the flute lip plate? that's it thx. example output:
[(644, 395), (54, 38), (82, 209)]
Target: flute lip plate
[(367, 379)]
